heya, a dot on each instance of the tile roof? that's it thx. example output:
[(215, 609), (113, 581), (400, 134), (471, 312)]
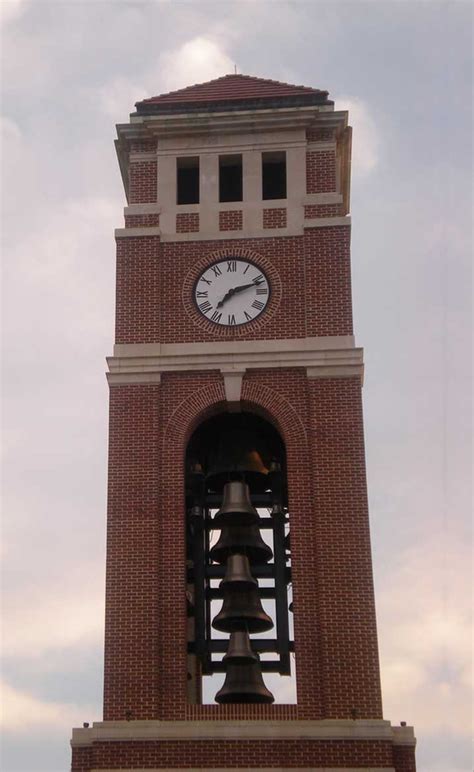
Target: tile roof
[(232, 88)]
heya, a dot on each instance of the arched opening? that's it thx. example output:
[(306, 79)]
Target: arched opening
[(238, 562)]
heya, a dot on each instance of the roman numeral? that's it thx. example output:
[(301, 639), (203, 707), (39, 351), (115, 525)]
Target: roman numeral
[(206, 280), (258, 279), (231, 266), (258, 305), (246, 269), (216, 270), (231, 319), (248, 317), (216, 317), (205, 307), (262, 291), (201, 294)]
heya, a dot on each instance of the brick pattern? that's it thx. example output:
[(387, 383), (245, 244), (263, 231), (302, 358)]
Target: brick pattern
[(142, 220), (149, 428), (404, 758), (152, 305), (132, 622), (345, 603), (274, 218), (143, 180), (320, 171), (324, 210), (327, 288), (231, 221), (187, 222), (319, 135), (138, 295), (266, 754)]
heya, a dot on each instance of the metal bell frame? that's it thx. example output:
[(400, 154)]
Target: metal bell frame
[(201, 572)]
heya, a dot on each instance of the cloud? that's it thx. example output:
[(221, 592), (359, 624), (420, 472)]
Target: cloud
[(425, 624), (22, 712), (196, 61), (366, 141), (11, 10)]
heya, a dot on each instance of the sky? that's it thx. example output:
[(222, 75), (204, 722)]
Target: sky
[(70, 71)]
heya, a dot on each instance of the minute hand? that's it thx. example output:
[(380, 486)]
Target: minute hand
[(234, 291)]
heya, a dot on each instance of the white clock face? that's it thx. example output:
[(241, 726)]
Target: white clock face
[(231, 292)]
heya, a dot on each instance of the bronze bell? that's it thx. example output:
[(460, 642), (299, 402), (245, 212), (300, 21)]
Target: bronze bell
[(242, 611), (244, 540), (237, 573), (236, 506), (244, 683), (238, 453), (240, 650)]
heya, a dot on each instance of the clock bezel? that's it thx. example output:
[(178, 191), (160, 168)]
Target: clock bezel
[(242, 259), (218, 331)]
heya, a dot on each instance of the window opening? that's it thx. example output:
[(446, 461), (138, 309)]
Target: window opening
[(273, 175), (188, 180), (230, 178)]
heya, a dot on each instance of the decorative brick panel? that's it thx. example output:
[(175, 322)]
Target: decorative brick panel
[(187, 222), (324, 210), (231, 221), (320, 171), (143, 146), (274, 218), (142, 220), (143, 179)]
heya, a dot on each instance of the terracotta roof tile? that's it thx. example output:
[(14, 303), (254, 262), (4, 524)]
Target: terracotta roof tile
[(230, 88)]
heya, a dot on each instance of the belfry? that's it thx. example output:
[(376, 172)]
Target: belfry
[(240, 627)]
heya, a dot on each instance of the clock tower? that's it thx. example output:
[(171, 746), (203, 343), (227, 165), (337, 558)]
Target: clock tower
[(240, 624)]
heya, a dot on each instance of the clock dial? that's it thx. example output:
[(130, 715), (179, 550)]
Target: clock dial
[(231, 292)]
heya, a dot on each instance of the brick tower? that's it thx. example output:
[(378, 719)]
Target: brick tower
[(235, 369)]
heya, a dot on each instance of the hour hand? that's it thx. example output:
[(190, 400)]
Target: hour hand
[(234, 291)]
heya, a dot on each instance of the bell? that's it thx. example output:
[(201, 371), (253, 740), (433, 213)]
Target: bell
[(244, 683), (244, 540), (242, 611), (237, 573), (237, 454), (239, 651), (236, 506)]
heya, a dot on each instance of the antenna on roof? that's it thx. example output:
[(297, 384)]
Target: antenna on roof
[(235, 69)]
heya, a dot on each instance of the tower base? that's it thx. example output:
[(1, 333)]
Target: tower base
[(222, 746)]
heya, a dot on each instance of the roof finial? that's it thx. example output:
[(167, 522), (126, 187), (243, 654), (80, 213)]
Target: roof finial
[(235, 69)]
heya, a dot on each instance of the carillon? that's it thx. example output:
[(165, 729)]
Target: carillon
[(240, 627)]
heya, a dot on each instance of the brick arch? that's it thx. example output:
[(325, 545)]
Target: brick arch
[(208, 400)]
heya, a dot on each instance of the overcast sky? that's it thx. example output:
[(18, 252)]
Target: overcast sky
[(70, 71)]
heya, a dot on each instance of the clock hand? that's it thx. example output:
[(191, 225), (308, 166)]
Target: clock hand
[(234, 290)]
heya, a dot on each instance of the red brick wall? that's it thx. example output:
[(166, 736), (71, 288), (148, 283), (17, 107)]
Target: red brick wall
[(142, 220), (274, 218), (152, 307), (187, 222), (321, 423), (143, 179), (324, 210), (269, 754), (320, 171), (231, 221), (132, 624)]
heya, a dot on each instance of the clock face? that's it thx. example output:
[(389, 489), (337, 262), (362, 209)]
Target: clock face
[(231, 292)]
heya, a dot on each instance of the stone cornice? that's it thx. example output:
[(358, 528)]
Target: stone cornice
[(325, 357)]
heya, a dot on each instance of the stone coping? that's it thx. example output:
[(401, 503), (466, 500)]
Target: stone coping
[(114, 731)]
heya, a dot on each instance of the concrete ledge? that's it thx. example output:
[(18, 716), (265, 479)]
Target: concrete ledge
[(142, 209), (135, 363), (368, 730), (127, 233), (324, 222)]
